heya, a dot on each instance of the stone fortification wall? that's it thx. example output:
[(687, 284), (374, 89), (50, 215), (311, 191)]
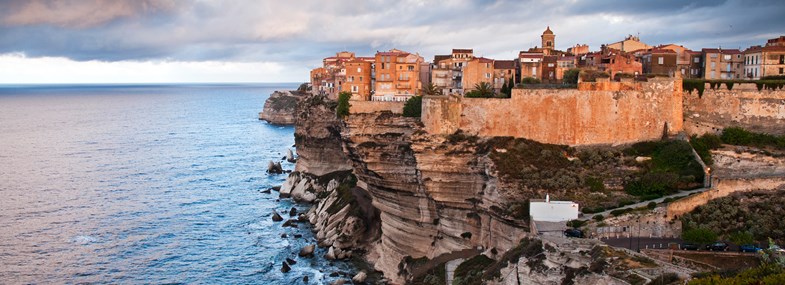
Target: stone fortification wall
[(596, 113), (743, 106), (722, 188), (364, 107)]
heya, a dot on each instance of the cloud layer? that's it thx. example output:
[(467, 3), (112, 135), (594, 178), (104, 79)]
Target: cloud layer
[(300, 33)]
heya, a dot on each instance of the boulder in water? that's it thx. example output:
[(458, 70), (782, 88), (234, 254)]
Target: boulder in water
[(291, 261), (360, 277), (285, 268), (290, 156), (277, 217), (307, 251), (274, 167), (293, 212)]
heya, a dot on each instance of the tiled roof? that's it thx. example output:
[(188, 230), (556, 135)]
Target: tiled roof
[(660, 50), (504, 64), (482, 59), (438, 58), (457, 50)]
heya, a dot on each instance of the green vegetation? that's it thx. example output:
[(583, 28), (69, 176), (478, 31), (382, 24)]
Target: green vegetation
[(672, 167), (740, 136), (283, 102), (598, 218), (481, 90), (740, 238), (760, 214), (413, 107), (471, 271), (304, 87), (345, 197), (343, 104), (506, 91), (571, 76), (431, 89), (767, 274), (769, 83), (589, 75), (434, 276), (530, 80), (699, 235), (595, 184), (703, 146)]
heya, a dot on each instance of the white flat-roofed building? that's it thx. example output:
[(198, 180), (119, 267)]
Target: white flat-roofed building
[(552, 211)]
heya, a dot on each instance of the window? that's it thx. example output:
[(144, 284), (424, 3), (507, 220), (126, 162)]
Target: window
[(713, 66), (487, 75), (355, 88), (726, 57), (696, 60), (359, 69), (782, 59), (781, 70), (661, 60), (411, 67)]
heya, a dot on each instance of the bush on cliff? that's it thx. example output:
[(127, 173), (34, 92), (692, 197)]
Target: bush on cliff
[(704, 144), (672, 167), (759, 213), (766, 274), (740, 136), (343, 104), (413, 107), (699, 235)]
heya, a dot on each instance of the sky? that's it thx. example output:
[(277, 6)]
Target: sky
[(149, 41)]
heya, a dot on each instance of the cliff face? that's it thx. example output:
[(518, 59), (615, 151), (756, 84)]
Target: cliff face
[(317, 136), (434, 196), (280, 107)]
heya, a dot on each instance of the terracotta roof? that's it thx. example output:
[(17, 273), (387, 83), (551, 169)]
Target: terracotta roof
[(504, 64), (774, 48), (661, 50), (530, 55), (710, 50), (548, 31), (457, 50), (731, 51), (438, 58), (483, 59), (753, 49)]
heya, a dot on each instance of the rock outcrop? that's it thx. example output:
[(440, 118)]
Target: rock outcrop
[(280, 107)]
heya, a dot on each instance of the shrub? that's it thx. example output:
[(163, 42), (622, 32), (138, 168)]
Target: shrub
[(413, 107), (699, 235), (576, 223), (571, 76), (530, 80), (740, 238), (694, 84), (740, 136), (343, 104), (471, 271), (595, 184), (703, 146), (598, 217), (651, 205)]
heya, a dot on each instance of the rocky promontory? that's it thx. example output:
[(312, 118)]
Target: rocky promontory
[(280, 107)]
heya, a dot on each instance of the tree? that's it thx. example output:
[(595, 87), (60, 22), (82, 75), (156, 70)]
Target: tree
[(741, 238), (431, 89), (530, 80), (343, 104), (571, 76), (413, 107), (699, 235), (481, 90)]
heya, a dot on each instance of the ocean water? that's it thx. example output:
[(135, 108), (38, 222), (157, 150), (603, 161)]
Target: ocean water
[(140, 184)]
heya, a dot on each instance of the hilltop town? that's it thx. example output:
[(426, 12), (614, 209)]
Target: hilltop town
[(397, 75), (428, 168)]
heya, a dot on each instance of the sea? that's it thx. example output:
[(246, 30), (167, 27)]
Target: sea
[(147, 184)]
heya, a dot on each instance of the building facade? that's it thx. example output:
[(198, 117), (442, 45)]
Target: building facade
[(397, 75)]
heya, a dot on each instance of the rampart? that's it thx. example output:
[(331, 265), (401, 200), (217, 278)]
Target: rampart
[(722, 188), (742, 106), (595, 113), (359, 107)]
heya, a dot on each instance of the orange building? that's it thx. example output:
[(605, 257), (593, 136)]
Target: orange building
[(447, 71), (397, 75), (477, 70), (503, 72), (358, 78)]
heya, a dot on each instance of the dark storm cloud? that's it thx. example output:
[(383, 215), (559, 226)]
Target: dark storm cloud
[(302, 32)]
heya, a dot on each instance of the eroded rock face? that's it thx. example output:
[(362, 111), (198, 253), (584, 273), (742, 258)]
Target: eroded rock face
[(317, 135), (434, 197), (279, 108)]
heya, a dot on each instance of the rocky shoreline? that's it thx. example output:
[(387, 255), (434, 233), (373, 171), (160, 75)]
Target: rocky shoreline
[(279, 107)]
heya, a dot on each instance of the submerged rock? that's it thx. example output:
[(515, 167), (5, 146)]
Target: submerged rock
[(291, 261), (285, 267), (277, 217), (293, 212), (307, 251), (290, 156)]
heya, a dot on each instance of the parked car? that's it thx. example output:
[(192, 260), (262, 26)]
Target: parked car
[(717, 246), (689, 246), (576, 233), (749, 248)]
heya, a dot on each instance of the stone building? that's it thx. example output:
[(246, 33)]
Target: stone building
[(752, 62), (564, 63), (358, 78), (530, 64), (696, 65), (722, 63), (503, 72), (397, 75), (477, 70), (660, 61), (578, 49), (548, 41), (447, 70), (774, 57), (629, 44)]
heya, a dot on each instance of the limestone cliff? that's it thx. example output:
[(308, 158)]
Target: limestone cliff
[(279, 108)]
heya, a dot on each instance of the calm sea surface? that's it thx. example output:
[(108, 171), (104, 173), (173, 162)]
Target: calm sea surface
[(144, 184)]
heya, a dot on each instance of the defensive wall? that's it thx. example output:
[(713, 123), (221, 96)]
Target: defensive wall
[(742, 106), (722, 187), (595, 113), (359, 107)]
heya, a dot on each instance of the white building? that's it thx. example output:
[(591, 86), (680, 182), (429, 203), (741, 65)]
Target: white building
[(552, 211)]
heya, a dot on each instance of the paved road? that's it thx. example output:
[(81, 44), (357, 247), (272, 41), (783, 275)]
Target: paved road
[(644, 203), (635, 243)]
